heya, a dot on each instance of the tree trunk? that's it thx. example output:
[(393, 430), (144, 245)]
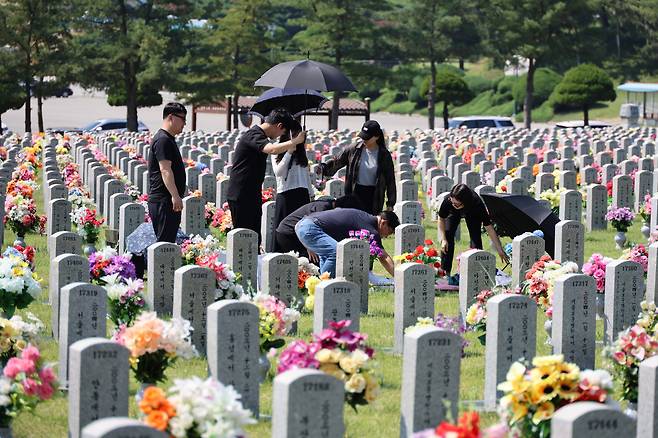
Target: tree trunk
[(236, 109), (28, 103), (431, 94), (40, 105), (335, 109), (40, 112), (527, 104), (1, 130), (585, 115), (445, 114), (461, 64), (131, 96)]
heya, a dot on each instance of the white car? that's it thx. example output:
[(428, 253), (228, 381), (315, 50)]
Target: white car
[(475, 122)]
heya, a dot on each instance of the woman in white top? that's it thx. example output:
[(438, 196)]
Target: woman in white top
[(293, 181)]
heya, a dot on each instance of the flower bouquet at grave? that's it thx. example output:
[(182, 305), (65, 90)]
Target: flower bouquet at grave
[(476, 315), (197, 246), (309, 285), (144, 200), (21, 215), (222, 220), (276, 320), (87, 224), (553, 197), (24, 253), (341, 353), (425, 254), (645, 209), (21, 188), (195, 408), (79, 199), (467, 426), (227, 287), (132, 191), (375, 250), (595, 267), (209, 213), (125, 299), (19, 286), (533, 394), (107, 262), (621, 218), (268, 195), (639, 254), (540, 281), (155, 345), (16, 334), (26, 381), (441, 321), (632, 346)]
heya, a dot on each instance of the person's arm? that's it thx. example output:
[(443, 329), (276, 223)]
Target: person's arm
[(391, 188), (496, 242), (387, 262), (286, 146), (281, 168), (332, 166), (442, 235), (170, 183)]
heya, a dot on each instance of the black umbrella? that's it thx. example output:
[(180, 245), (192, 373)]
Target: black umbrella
[(295, 100), (516, 214), (305, 74)]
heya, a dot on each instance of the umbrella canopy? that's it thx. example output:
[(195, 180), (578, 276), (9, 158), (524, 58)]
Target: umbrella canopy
[(306, 74), (295, 100), (516, 214), (139, 240)]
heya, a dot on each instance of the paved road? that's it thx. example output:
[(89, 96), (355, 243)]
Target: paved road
[(84, 107)]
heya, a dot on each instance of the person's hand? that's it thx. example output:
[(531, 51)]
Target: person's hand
[(178, 203), (313, 257), (503, 257), (299, 138), (444, 247)]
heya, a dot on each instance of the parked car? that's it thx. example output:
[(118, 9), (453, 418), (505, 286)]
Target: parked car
[(64, 92), (474, 122), (580, 124), (101, 125)]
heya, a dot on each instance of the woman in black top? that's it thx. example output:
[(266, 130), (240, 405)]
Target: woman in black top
[(464, 202)]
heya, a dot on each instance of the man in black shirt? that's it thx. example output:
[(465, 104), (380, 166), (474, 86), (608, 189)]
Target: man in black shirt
[(248, 170), (321, 232), (167, 175), (286, 239)]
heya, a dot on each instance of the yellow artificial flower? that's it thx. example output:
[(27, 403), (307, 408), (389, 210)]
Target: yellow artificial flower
[(359, 357), (333, 370), (544, 412), (516, 382), (471, 314), (310, 284), (568, 370), (543, 391), (323, 356), (337, 354), (548, 361), (518, 407), (372, 388), (348, 365), (567, 388), (543, 373), (356, 384)]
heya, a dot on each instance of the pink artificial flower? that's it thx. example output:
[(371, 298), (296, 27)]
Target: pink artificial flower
[(15, 366), (31, 353), (45, 391), (30, 386), (47, 375)]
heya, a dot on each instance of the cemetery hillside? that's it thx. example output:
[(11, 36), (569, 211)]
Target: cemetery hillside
[(328, 219)]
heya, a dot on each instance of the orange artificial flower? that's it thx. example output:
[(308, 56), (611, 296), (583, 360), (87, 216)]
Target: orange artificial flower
[(158, 420)]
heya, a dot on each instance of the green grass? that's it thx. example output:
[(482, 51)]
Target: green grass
[(50, 418)]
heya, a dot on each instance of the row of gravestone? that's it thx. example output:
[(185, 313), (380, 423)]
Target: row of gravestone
[(310, 403)]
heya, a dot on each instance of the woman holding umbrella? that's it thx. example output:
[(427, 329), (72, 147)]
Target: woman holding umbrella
[(293, 181), (464, 202), (370, 174)]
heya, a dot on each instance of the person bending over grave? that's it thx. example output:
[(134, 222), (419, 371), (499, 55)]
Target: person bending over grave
[(464, 202), (249, 162), (286, 239), (320, 233), (293, 181), (370, 173), (167, 175)]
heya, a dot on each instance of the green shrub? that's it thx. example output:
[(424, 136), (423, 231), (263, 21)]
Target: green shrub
[(386, 99), (402, 107), (478, 84), (503, 92), (545, 82), (415, 97)]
